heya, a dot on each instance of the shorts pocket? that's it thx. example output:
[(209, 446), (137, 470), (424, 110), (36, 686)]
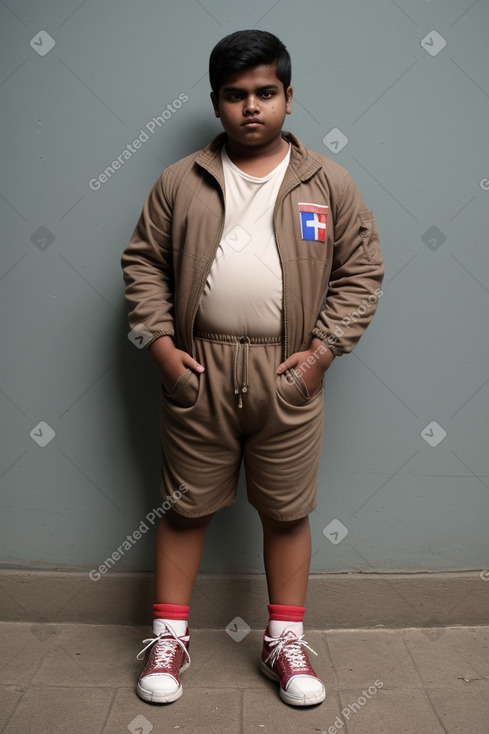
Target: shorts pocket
[(185, 389), (291, 387)]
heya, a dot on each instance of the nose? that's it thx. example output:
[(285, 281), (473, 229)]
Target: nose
[(250, 106)]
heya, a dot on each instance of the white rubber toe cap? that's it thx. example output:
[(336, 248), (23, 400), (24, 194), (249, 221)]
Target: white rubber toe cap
[(306, 689), (159, 688)]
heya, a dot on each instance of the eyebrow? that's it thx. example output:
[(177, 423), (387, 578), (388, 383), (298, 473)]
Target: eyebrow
[(265, 87)]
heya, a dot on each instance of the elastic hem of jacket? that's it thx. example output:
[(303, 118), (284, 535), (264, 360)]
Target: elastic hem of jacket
[(326, 339), (157, 334)]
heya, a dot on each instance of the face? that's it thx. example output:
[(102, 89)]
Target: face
[(252, 107)]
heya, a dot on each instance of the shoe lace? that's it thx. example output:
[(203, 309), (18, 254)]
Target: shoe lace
[(292, 647), (166, 644)]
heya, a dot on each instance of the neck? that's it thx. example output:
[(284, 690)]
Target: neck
[(259, 160)]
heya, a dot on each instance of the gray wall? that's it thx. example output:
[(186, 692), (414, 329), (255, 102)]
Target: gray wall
[(415, 114)]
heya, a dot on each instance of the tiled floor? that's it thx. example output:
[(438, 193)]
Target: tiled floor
[(80, 679)]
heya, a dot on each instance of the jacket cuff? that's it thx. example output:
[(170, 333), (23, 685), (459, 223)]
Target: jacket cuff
[(329, 340), (157, 334)]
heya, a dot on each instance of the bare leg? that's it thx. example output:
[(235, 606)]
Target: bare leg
[(287, 556), (179, 547)]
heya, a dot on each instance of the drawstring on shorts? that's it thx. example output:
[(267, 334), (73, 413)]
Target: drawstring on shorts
[(241, 350), (243, 346)]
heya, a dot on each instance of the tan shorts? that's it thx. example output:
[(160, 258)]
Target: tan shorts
[(240, 409)]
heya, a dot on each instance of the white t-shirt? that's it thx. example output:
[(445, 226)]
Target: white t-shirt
[(243, 293)]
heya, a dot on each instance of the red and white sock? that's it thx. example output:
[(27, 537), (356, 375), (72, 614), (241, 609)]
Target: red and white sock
[(175, 614), (285, 616)]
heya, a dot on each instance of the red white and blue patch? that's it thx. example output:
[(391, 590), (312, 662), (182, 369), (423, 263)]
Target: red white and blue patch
[(313, 221)]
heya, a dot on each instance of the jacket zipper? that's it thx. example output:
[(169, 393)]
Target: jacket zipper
[(279, 203), (284, 307), (203, 280)]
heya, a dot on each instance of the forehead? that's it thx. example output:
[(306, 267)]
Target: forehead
[(255, 78)]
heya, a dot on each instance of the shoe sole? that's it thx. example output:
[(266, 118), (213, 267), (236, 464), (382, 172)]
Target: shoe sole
[(287, 697)]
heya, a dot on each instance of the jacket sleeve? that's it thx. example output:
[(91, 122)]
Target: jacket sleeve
[(356, 275), (148, 268)]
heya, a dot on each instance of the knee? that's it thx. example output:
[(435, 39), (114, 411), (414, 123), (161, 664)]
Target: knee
[(284, 526), (177, 521)]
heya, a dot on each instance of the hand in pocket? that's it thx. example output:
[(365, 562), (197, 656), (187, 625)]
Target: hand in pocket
[(171, 361)]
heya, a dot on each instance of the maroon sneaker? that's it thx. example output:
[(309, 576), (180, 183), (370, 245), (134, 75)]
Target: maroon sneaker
[(285, 660), (160, 680)]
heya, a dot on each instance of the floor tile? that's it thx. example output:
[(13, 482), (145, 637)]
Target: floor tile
[(388, 711), (88, 655), (219, 661), (59, 710), (452, 657), (462, 711), (9, 699), (362, 656), (264, 712), (199, 711), (24, 646)]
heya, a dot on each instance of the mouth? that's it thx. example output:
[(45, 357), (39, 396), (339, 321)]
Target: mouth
[(251, 123)]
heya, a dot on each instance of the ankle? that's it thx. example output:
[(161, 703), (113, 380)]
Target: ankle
[(285, 616), (174, 616)]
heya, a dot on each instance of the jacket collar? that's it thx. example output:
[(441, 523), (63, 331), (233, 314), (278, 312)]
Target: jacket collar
[(301, 161)]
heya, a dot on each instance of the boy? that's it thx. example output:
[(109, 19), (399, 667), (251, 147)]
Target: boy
[(227, 270)]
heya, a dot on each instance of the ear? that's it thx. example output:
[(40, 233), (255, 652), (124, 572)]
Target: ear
[(215, 104), (288, 97)]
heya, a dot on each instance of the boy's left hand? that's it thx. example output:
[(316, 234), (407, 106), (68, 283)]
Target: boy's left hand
[(312, 372)]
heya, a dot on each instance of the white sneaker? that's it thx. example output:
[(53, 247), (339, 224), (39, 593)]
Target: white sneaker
[(160, 680)]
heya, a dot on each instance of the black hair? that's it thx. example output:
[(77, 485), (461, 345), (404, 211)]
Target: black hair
[(244, 50)]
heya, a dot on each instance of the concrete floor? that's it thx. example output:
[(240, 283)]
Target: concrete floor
[(58, 678)]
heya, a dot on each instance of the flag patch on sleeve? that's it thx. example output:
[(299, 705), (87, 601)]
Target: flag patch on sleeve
[(313, 221)]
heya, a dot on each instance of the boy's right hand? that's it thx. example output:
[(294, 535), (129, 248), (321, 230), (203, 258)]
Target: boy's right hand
[(171, 362)]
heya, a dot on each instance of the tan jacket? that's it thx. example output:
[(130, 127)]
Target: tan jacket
[(330, 289)]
